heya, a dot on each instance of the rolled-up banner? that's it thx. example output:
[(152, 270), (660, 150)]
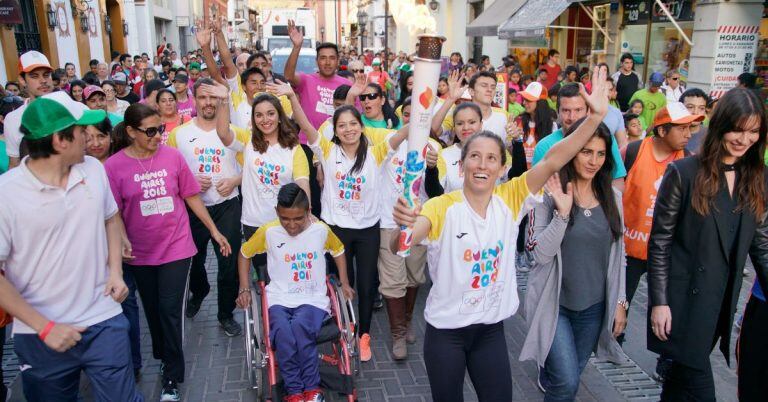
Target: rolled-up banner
[(426, 73)]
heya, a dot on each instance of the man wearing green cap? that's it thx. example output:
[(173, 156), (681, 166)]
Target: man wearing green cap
[(60, 247)]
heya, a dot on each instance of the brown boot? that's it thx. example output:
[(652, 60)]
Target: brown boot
[(410, 301), (396, 313)]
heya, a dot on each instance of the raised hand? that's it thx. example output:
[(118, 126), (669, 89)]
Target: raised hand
[(598, 99), (203, 35), (358, 86), (563, 200), (297, 38), (217, 90), (279, 88), (455, 85)]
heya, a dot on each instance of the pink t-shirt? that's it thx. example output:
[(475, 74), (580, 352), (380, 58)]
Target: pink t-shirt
[(316, 95), (150, 194), (187, 108)]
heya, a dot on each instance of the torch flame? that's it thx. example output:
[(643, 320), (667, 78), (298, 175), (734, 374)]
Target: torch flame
[(426, 98), (417, 18)]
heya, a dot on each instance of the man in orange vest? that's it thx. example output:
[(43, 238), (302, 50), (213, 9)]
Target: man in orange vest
[(646, 162)]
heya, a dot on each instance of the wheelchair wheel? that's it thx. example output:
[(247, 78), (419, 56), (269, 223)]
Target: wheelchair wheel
[(349, 333), (254, 356)]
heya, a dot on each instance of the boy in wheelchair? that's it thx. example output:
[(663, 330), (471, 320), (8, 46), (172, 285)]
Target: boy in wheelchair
[(298, 304)]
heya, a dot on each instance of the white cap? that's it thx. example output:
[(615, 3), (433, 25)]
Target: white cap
[(32, 60), (534, 91), (376, 61)]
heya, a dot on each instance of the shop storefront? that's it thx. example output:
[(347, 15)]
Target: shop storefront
[(653, 40)]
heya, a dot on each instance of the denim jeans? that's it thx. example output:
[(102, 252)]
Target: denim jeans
[(131, 312), (575, 338)]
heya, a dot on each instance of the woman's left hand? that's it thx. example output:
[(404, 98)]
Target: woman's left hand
[(280, 88), (219, 238), (431, 156), (619, 321)]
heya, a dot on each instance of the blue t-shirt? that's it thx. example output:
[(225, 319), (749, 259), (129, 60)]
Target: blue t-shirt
[(549, 141)]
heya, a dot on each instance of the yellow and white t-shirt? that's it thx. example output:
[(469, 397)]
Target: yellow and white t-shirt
[(349, 200), (296, 265), (375, 135), (206, 155), (240, 109), (264, 174), (472, 259), (449, 169), (392, 175)]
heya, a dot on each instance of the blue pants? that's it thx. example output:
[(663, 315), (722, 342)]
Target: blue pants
[(575, 338), (131, 311), (103, 353), (293, 332)]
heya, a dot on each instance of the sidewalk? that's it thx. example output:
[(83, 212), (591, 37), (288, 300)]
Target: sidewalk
[(216, 363)]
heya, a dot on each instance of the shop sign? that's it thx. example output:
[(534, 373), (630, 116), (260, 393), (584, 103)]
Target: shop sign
[(10, 12), (636, 12), (681, 10), (734, 55)]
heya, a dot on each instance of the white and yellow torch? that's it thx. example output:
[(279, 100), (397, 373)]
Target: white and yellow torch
[(426, 74)]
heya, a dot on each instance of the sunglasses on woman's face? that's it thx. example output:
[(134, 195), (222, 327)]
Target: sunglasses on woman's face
[(372, 96), (358, 70), (152, 131)]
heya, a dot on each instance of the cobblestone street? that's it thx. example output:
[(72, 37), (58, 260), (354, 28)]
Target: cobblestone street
[(216, 363)]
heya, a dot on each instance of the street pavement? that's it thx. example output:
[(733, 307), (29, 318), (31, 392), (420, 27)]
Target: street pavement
[(216, 363)]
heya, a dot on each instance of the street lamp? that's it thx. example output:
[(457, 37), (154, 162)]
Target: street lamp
[(362, 20), (322, 34), (434, 5), (125, 28), (84, 22), (51, 16), (107, 25)]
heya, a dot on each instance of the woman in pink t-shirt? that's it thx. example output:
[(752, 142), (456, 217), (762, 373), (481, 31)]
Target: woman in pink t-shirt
[(153, 188)]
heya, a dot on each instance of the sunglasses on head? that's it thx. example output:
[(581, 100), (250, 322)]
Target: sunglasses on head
[(372, 96), (152, 131), (358, 70)]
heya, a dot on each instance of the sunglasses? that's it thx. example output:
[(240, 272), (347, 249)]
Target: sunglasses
[(152, 131), (675, 78), (372, 96), (358, 70)]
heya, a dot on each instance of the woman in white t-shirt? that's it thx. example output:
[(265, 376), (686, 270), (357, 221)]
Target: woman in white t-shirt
[(350, 203), (470, 237), (272, 157)]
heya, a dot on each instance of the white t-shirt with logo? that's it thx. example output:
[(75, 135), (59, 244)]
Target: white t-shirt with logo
[(296, 265), (54, 243), (263, 176), (205, 154), (392, 175), (240, 109), (349, 200), (496, 123), (472, 259), (449, 168)]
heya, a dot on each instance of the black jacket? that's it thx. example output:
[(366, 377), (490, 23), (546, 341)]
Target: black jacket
[(689, 268)]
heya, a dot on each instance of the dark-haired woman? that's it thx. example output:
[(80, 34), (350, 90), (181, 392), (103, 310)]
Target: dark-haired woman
[(376, 111), (709, 215), (575, 303), (153, 185), (351, 166), (538, 119), (470, 236), (76, 89), (406, 88), (169, 112), (272, 158)]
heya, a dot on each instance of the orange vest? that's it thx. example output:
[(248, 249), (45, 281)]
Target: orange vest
[(640, 189)]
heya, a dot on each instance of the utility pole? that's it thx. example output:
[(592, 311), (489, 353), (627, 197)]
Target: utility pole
[(386, 36)]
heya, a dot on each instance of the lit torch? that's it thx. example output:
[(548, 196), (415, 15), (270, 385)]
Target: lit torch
[(426, 73)]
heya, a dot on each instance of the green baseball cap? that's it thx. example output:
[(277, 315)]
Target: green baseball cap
[(54, 112), (194, 65)]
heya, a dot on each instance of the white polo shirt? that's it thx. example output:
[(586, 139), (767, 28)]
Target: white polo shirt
[(12, 126), (54, 243)]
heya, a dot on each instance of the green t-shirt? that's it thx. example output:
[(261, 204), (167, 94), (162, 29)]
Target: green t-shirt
[(515, 109), (651, 104), (379, 123)]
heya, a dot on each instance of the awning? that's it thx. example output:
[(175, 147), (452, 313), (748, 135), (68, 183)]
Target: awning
[(487, 23), (529, 23)]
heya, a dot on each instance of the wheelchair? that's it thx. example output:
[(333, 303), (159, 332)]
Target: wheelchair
[(337, 342)]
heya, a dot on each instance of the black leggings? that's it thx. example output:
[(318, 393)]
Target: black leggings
[(162, 289), (362, 245), (752, 351), (480, 349), (3, 389)]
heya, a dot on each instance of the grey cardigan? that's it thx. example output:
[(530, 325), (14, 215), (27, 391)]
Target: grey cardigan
[(542, 299)]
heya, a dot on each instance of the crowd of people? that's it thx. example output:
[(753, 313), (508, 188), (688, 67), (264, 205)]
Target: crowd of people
[(115, 184)]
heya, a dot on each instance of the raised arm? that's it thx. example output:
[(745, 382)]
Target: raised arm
[(297, 38), (358, 86), (203, 34), (455, 89), (566, 149), (281, 88), (223, 129), (400, 136), (221, 43)]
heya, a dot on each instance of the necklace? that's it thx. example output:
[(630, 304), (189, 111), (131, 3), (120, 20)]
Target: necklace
[(728, 168), (151, 161)]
